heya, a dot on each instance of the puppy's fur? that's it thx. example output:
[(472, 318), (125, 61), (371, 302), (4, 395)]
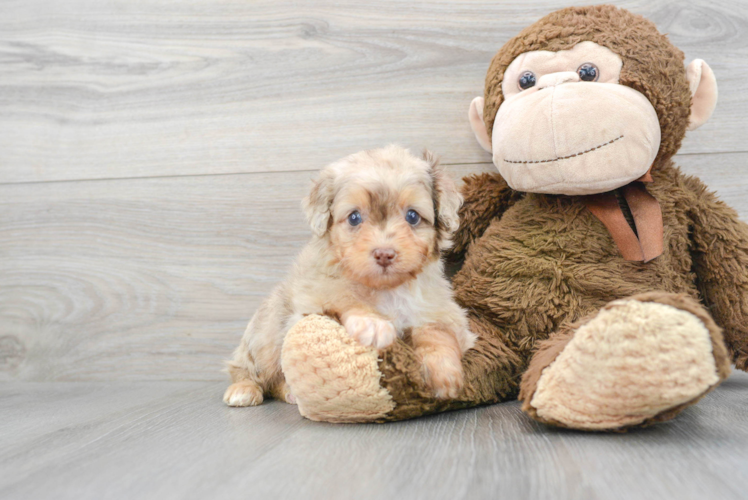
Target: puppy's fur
[(382, 277)]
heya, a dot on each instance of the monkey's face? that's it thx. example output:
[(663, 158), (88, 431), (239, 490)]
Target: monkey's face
[(567, 126), (588, 99)]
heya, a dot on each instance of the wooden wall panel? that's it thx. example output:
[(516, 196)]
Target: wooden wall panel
[(118, 89), (155, 278)]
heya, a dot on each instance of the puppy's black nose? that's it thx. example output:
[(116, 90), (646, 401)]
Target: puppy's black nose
[(384, 256)]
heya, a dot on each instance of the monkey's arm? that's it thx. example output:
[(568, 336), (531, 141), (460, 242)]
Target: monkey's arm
[(336, 379), (719, 246), (487, 196)]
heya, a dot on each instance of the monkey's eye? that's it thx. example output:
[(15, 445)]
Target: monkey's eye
[(355, 218), (526, 80), (412, 217), (588, 72)]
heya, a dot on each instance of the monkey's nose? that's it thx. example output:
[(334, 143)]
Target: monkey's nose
[(384, 256), (553, 79)]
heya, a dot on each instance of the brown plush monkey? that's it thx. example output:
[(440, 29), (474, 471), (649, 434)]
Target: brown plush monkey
[(608, 289)]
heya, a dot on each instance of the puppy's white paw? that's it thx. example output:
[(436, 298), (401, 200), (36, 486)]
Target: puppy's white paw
[(370, 330), (243, 393), (443, 374)]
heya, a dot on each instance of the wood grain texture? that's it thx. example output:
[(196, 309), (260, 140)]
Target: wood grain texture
[(132, 279), (156, 278), (176, 440), (118, 89)]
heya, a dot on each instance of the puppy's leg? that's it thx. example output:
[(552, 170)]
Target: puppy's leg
[(440, 352), (246, 389), (256, 363), (368, 327)]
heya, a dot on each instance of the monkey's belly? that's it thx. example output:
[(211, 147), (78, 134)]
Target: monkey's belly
[(528, 275)]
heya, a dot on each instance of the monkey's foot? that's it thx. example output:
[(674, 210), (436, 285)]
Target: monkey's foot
[(332, 376), (638, 361)]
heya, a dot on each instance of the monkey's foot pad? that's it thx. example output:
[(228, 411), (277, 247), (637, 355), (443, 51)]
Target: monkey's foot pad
[(632, 362), (334, 378)]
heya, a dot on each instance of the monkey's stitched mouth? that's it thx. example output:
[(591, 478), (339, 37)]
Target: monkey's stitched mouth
[(567, 157)]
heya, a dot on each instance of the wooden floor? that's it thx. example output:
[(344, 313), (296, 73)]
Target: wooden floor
[(176, 440), (153, 155)]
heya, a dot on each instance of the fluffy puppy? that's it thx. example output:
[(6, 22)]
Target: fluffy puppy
[(380, 219)]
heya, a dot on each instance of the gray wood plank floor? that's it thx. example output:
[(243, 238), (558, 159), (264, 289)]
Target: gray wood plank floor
[(176, 440)]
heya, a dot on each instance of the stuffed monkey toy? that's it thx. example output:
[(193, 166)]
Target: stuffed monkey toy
[(608, 289)]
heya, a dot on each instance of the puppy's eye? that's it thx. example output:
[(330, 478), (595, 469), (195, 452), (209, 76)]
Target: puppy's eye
[(412, 217), (355, 219), (526, 80), (588, 72)]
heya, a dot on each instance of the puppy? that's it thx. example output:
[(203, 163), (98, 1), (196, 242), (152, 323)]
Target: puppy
[(380, 219)]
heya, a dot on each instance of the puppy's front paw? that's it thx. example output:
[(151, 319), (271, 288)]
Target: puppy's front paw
[(443, 374), (245, 393), (370, 330)]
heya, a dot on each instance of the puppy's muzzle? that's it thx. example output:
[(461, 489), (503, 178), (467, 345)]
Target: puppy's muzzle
[(384, 256)]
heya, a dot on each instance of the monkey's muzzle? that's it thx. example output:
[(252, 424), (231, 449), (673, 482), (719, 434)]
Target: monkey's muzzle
[(575, 138)]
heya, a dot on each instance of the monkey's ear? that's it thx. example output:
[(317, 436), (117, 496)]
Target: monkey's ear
[(703, 86), (448, 199), (475, 114), (318, 204)]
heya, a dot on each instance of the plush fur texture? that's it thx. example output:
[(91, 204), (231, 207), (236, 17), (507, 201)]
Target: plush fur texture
[(651, 64), (677, 373), (344, 382), (537, 268), (543, 140), (583, 389)]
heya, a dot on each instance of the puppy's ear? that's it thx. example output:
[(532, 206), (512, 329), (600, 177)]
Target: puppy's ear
[(447, 199), (319, 202)]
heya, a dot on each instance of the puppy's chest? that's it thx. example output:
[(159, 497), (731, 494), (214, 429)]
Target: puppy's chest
[(403, 306)]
